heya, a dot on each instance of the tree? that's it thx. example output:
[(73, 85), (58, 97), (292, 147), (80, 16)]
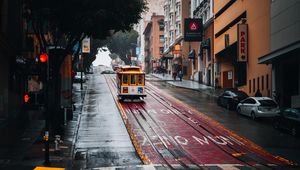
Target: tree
[(64, 23), (121, 43)]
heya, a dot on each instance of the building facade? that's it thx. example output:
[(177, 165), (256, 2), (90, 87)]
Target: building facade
[(204, 62), (154, 6), (12, 48), (154, 43), (175, 12), (232, 69), (284, 54)]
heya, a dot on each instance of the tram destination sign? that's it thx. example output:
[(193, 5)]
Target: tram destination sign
[(193, 29)]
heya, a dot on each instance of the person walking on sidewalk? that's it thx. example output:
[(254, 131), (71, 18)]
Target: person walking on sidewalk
[(174, 75), (180, 75)]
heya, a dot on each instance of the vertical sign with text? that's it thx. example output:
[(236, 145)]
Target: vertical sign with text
[(242, 31), (86, 45)]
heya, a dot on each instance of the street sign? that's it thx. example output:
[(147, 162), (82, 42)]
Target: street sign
[(242, 31), (193, 29), (86, 45)]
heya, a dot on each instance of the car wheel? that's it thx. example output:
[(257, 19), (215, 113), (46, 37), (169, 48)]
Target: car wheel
[(253, 117), (294, 131)]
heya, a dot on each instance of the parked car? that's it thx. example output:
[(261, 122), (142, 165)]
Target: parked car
[(230, 98), (77, 77), (289, 120), (258, 107), (108, 72)]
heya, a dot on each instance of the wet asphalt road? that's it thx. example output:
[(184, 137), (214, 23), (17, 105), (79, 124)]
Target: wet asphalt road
[(260, 131), (102, 139)]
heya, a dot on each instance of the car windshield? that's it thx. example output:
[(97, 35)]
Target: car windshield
[(239, 94), (269, 103)]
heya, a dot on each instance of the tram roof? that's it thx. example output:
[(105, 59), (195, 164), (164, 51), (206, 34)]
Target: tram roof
[(130, 69)]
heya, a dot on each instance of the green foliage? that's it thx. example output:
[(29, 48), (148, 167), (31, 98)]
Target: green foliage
[(121, 43), (69, 21)]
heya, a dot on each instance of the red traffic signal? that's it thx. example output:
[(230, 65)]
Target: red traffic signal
[(44, 57), (26, 98)]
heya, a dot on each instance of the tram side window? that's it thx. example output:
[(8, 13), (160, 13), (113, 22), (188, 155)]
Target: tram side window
[(140, 81), (125, 79), (132, 79)]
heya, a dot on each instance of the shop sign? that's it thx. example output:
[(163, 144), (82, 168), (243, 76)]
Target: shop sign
[(242, 30), (193, 29), (86, 45)]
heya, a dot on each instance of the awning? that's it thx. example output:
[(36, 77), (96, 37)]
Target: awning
[(279, 53)]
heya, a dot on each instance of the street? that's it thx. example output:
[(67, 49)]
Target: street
[(162, 130), (260, 131)]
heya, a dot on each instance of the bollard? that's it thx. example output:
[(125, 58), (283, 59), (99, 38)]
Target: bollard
[(57, 141)]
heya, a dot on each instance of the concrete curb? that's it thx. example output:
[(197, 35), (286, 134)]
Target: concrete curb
[(75, 138), (198, 90)]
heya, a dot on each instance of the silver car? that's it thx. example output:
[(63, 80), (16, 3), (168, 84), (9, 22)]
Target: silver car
[(258, 107)]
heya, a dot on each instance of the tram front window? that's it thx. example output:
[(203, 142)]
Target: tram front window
[(125, 79), (132, 79), (140, 81)]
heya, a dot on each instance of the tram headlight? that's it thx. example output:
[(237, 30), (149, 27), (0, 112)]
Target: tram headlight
[(125, 89)]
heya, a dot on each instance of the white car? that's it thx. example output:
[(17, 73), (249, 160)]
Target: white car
[(258, 107)]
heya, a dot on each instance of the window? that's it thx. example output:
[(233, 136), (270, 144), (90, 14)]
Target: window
[(161, 50), (132, 79), (140, 81), (161, 25), (253, 85), (125, 79), (161, 38), (257, 82), (267, 83), (249, 86), (262, 82)]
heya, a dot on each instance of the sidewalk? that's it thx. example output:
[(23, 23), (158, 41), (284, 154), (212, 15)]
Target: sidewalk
[(189, 84), (22, 147)]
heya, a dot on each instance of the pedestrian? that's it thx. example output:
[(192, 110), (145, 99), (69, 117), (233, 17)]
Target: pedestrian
[(174, 75), (258, 93), (180, 75)]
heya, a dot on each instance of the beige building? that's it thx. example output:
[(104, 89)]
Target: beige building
[(245, 74), (154, 43), (154, 6), (202, 69), (175, 11)]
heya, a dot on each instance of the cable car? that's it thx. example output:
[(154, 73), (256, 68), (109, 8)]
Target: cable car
[(130, 82)]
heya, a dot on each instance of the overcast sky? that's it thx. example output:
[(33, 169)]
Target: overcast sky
[(102, 58)]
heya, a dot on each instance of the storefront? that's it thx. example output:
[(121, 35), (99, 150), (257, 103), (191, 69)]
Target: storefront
[(285, 74)]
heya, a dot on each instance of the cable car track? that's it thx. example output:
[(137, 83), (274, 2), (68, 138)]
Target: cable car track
[(147, 123), (141, 121)]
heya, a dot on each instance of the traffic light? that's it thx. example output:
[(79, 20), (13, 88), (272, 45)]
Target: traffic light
[(43, 58), (26, 98), (43, 65)]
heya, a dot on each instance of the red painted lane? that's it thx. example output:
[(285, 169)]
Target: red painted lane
[(239, 143), (187, 137), (209, 144)]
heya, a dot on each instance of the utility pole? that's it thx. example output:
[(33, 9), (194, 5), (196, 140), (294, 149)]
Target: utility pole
[(45, 59)]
